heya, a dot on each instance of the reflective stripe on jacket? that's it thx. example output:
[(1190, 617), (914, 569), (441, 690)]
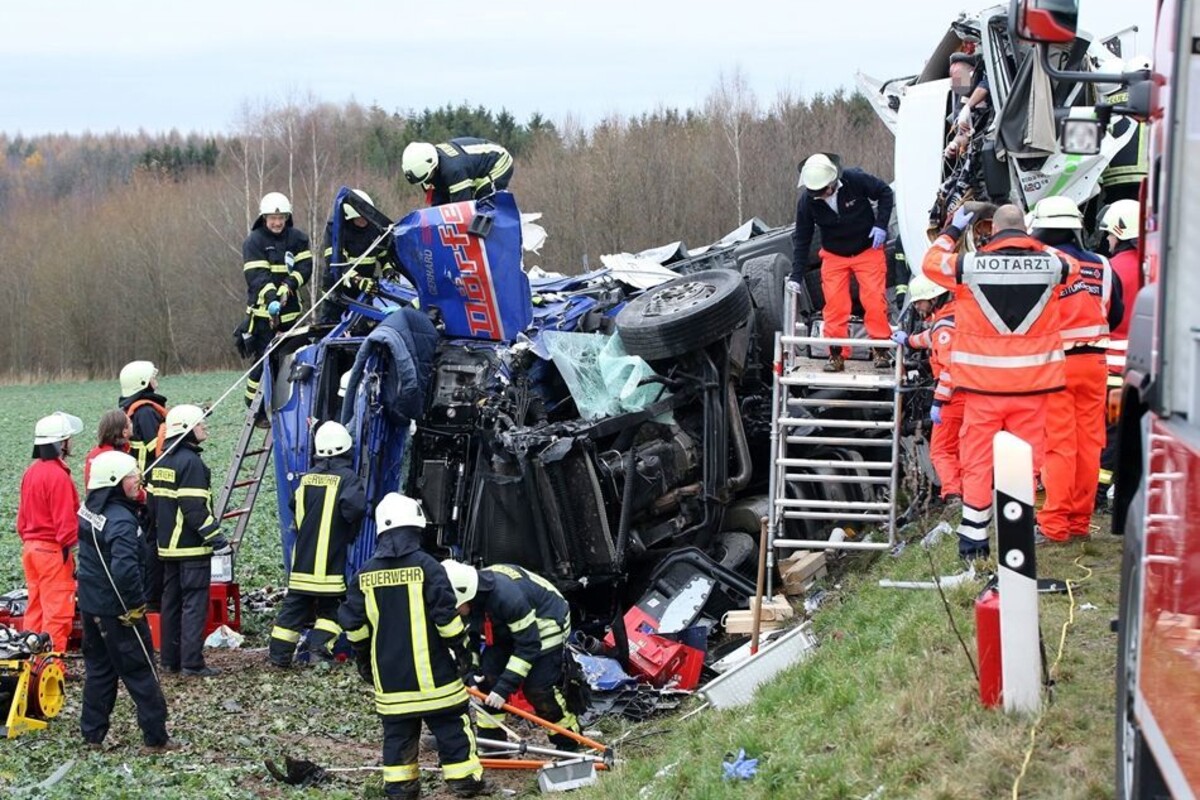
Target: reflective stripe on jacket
[(270, 262), (469, 168), (938, 338), (330, 502), (180, 499), (402, 602), (1007, 326), (528, 614)]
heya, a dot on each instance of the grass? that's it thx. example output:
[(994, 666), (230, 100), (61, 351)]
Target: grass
[(886, 708)]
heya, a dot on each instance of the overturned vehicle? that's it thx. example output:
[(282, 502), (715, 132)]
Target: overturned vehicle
[(589, 428)]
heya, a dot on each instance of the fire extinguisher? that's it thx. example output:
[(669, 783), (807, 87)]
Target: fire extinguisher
[(987, 641)]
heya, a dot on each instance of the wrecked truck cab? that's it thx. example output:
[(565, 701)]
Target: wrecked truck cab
[(1016, 156), (513, 457)]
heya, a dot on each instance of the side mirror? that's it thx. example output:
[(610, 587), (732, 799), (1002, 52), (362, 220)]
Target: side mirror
[(1138, 103), (1043, 21), (1081, 137)]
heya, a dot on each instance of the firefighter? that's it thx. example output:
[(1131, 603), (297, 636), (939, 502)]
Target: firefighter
[(329, 505), (277, 262), (146, 409), (410, 642), (1122, 178), (935, 304), (853, 233), (529, 622), (112, 602), (465, 168), (180, 496), (1121, 224), (355, 242), (1008, 353), (1088, 306), (48, 529)]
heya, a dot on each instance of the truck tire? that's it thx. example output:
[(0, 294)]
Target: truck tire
[(684, 314), (766, 278), (737, 551)]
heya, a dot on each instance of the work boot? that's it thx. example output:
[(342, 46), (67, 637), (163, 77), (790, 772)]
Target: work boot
[(168, 746), (469, 787), (971, 550), (882, 359), (835, 363), (403, 790), (203, 672)]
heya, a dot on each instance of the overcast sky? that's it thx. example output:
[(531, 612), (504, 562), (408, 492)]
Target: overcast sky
[(130, 64)]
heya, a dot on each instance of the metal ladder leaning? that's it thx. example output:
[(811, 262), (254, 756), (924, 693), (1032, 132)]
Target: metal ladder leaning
[(868, 394), (250, 459)]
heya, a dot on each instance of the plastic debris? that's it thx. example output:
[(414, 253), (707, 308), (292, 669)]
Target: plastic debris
[(934, 536), (1088, 607), (945, 581), (740, 768), (226, 637)]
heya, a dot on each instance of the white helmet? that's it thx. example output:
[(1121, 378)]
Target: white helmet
[(58, 427), (397, 511), (817, 173), (1121, 220), (1056, 212), (419, 161), (344, 383), (348, 209), (463, 578), (1138, 63), (181, 419), (136, 375), (921, 288), (110, 468), (332, 439), (275, 203)]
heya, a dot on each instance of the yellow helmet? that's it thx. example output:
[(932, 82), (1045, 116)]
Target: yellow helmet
[(348, 209), (110, 468), (136, 376), (418, 161)]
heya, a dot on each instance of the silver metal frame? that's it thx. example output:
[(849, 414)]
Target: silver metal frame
[(791, 378)]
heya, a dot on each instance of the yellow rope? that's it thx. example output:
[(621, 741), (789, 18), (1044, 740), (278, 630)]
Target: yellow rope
[(1062, 643)]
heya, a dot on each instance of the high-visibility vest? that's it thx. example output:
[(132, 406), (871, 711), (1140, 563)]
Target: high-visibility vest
[(1006, 338), (1085, 302), (938, 338)]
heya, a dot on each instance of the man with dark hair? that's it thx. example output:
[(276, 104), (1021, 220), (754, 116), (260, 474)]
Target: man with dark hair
[(852, 208)]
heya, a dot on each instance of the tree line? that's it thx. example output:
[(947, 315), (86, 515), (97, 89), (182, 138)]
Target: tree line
[(122, 246)]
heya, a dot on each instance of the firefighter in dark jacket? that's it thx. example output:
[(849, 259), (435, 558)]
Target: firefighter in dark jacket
[(853, 234), (179, 491), (465, 168), (410, 642), (112, 603), (357, 246), (329, 506), (530, 621), (277, 263), (146, 409), (147, 412)]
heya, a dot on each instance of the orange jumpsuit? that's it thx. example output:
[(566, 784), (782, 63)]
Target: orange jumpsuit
[(48, 528), (1007, 355), (938, 338), (1075, 419)]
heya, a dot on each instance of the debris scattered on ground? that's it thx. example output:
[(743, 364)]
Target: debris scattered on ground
[(224, 637), (935, 534)]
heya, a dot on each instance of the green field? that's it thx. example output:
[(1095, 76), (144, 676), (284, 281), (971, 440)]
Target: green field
[(886, 708)]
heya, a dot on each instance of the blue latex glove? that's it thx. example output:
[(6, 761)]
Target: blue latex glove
[(962, 218), (900, 338), (741, 768), (935, 414), (878, 237), (273, 308)]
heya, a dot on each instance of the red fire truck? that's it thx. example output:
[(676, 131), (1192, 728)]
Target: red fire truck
[(1157, 506)]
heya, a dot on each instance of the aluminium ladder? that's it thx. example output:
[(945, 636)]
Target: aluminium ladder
[(251, 456), (805, 426)]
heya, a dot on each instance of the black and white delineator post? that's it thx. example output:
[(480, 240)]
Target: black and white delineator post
[(1020, 655)]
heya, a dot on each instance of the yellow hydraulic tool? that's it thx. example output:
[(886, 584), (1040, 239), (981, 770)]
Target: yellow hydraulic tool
[(33, 688)]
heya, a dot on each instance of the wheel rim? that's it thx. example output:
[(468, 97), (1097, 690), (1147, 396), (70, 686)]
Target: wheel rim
[(678, 298), (49, 694)]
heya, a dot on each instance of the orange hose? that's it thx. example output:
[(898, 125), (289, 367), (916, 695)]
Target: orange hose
[(535, 719)]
